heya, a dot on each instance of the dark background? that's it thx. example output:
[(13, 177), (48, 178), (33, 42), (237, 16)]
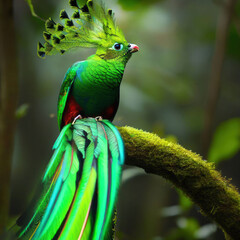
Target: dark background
[(165, 90)]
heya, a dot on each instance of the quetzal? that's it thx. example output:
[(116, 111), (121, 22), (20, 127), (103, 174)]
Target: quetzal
[(78, 191)]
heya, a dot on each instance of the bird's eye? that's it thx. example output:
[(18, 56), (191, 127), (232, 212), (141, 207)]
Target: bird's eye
[(117, 46)]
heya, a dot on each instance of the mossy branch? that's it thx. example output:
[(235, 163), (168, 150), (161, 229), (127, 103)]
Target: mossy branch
[(197, 178)]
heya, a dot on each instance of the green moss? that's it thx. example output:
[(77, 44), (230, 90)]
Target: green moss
[(197, 178)]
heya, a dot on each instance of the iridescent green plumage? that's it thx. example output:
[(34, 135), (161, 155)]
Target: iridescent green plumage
[(94, 85), (89, 26), (71, 187), (79, 188)]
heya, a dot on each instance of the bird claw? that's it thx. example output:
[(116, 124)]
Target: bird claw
[(99, 118), (76, 118)]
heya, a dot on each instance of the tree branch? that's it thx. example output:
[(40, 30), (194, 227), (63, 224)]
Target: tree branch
[(197, 178), (8, 101)]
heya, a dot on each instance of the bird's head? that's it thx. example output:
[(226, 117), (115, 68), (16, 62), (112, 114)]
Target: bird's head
[(117, 50), (90, 26)]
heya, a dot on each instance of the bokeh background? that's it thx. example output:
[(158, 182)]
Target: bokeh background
[(166, 89)]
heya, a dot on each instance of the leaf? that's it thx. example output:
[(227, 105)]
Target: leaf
[(32, 10), (226, 141), (22, 111), (184, 202)]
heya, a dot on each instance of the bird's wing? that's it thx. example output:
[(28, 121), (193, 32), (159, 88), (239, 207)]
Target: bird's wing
[(69, 78)]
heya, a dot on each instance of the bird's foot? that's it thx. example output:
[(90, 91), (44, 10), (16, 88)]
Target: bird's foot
[(76, 118), (99, 118)]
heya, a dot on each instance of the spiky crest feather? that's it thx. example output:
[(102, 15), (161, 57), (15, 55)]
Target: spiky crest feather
[(90, 26)]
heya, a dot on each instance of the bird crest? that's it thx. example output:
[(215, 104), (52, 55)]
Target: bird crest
[(90, 26)]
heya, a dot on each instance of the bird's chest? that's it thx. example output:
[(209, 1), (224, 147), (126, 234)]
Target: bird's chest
[(96, 97)]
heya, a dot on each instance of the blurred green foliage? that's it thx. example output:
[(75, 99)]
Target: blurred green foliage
[(22, 111), (226, 141), (186, 230), (136, 4), (184, 202)]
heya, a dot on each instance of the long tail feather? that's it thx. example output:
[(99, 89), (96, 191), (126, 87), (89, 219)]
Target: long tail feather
[(102, 181), (80, 185)]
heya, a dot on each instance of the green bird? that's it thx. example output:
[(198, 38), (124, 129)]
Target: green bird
[(78, 191)]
